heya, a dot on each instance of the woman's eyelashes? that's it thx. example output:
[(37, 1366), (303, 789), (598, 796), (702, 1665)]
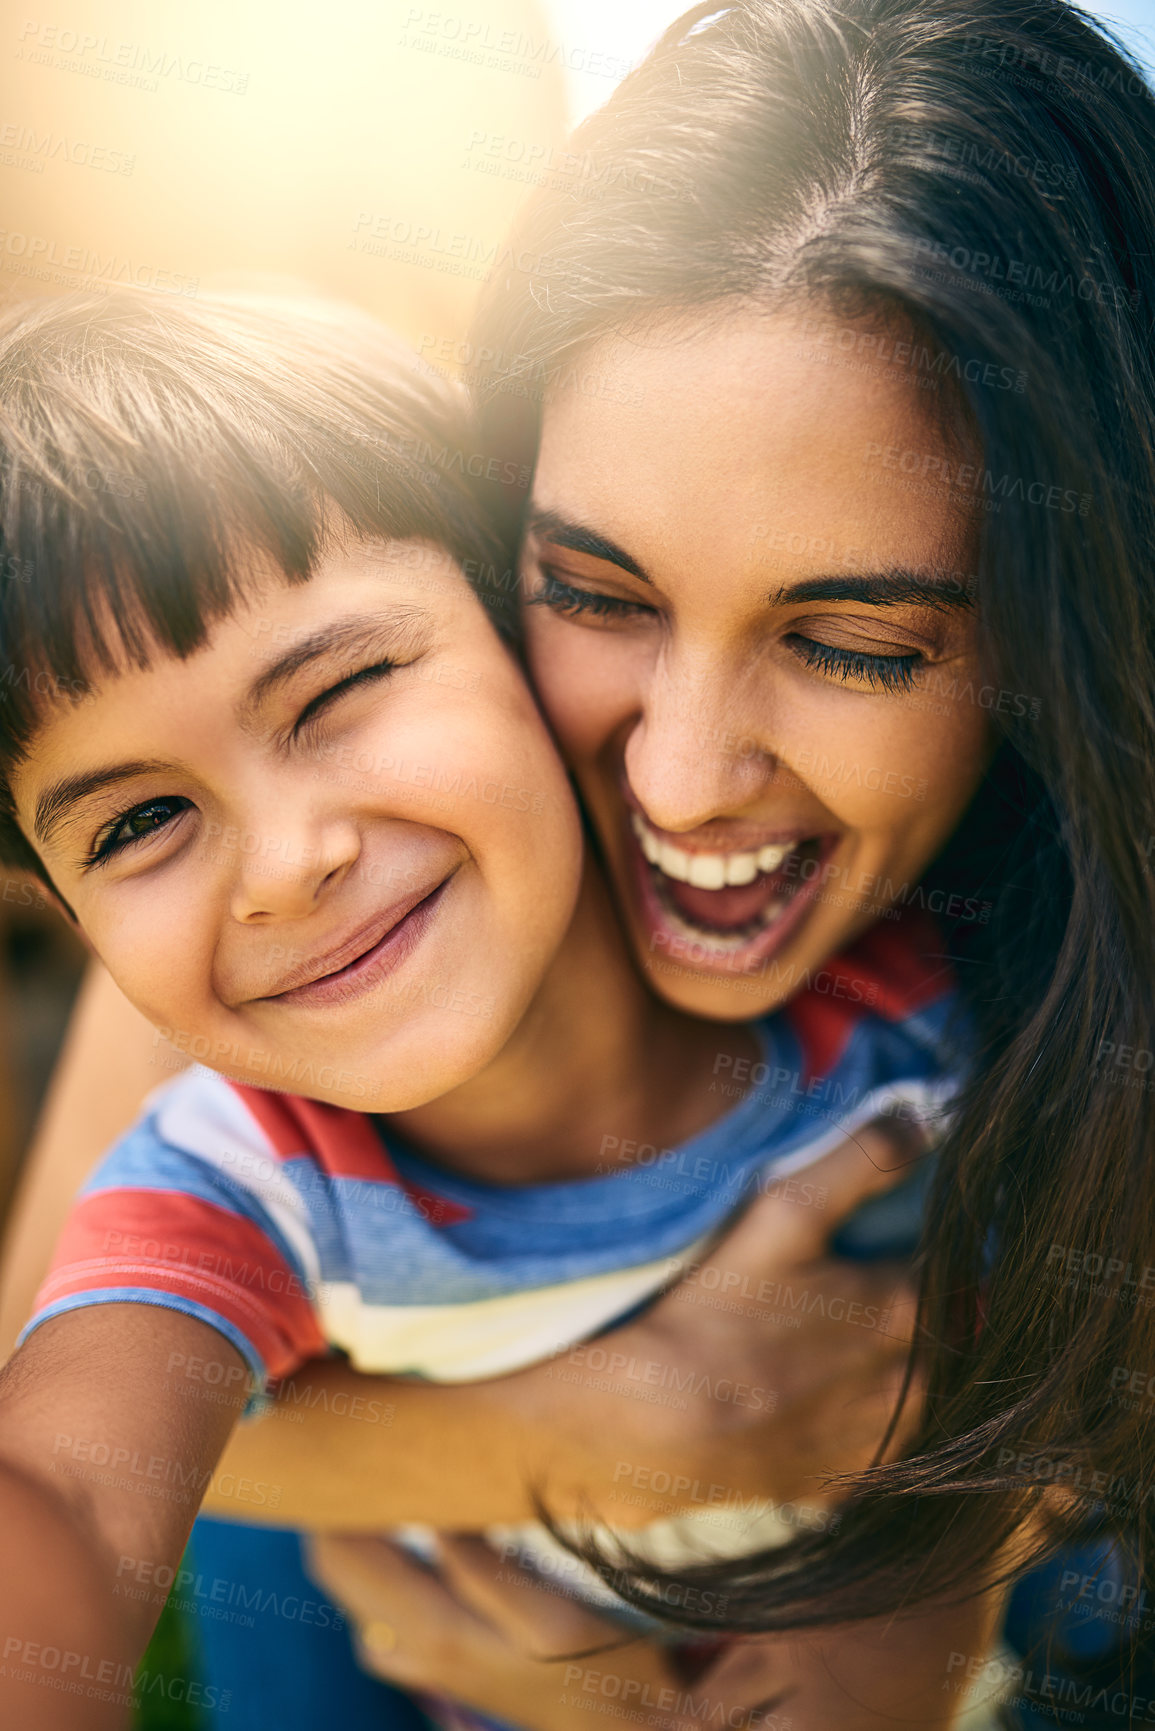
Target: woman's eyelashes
[(880, 672), (136, 825), (890, 673), (364, 676), (574, 603)]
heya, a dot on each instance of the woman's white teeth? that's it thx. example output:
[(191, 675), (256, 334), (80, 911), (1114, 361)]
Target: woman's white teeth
[(651, 846), (705, 871)]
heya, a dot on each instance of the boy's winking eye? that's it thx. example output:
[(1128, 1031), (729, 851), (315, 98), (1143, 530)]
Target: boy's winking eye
[(394, 639), (292, 691)]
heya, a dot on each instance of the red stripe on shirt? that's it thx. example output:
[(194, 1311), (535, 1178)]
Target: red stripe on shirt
[(181, 1245), (894, 971), (344, 1144)]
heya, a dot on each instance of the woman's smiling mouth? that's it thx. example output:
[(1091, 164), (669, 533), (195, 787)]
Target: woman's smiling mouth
[(734, 906)]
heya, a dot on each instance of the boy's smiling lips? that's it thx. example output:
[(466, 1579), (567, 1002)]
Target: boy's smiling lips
[(376, 947)]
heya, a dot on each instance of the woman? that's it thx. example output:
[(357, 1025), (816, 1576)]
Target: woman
[(801, 218), (960, 198)]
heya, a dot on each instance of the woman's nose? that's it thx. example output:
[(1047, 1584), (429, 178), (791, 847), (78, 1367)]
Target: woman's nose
[(284, 869), (689, 761)]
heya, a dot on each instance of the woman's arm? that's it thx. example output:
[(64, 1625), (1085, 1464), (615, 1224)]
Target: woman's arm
[(694, 1403)]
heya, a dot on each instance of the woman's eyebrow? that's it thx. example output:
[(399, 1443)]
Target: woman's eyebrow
[(940, 590), (564, 532), (943, 591)]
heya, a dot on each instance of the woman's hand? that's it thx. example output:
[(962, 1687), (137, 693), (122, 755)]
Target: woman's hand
[(777, 1363), (487, 1633), (770, 1366)]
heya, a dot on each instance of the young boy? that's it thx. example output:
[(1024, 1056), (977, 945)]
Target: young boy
[(268, 748)]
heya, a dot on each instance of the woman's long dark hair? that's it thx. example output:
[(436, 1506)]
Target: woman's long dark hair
[(987, 170)]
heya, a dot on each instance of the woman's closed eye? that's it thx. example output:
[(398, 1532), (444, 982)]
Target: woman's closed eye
[(890, 673), (136, 825), (880, 672), (574, 602)]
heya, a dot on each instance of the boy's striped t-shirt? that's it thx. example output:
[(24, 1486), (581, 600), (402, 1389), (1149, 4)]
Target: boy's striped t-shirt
[(296, 1228)]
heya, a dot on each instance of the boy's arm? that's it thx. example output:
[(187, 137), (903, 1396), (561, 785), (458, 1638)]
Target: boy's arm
[(102, 1468)]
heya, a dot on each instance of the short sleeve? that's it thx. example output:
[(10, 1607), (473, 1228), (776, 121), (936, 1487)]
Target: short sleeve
[(192, 1210)]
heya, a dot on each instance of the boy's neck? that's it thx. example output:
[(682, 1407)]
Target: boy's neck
[(596, 1064)]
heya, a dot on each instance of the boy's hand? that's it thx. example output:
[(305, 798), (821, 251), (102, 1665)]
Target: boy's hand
[(486, 1632), (487, 1635)]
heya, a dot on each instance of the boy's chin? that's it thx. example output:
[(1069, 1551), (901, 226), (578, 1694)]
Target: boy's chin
[(343, 1087), (403, 1069)]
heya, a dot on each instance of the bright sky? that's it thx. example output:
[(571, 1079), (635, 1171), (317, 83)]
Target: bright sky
[(625, 29)]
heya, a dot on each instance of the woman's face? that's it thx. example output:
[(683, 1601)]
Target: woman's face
[(749, 574)]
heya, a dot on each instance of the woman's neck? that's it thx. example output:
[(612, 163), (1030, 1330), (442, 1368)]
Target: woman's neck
[(596, 1066)]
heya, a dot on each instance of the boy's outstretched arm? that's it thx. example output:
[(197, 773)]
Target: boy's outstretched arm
[(102, 1469)]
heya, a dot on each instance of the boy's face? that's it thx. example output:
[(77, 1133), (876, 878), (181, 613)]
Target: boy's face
[(331, 852)]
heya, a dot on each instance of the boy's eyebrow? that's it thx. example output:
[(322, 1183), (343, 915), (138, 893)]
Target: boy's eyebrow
[(564, 532), (57, 801), (401, 626)]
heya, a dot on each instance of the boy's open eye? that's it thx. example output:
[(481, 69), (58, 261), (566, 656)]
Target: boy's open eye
[(575, 603), (364, 676), (133, 826)]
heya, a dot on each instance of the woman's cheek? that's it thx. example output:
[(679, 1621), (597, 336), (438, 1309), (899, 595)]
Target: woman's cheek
[(588, 682), (883, 762), (947, 742)]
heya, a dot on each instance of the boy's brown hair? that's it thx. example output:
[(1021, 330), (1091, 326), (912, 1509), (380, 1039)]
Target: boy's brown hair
[(152, 450)]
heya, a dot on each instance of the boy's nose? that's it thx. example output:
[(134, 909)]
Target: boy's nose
[(287, 874)]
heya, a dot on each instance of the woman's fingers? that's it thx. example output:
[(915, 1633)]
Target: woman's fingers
[(790, 1225)]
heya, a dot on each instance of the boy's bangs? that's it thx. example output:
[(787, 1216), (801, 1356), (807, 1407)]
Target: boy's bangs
[(155, 459), (99, 580)]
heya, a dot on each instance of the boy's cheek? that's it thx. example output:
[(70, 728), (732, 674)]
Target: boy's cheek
[(162, 977)]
